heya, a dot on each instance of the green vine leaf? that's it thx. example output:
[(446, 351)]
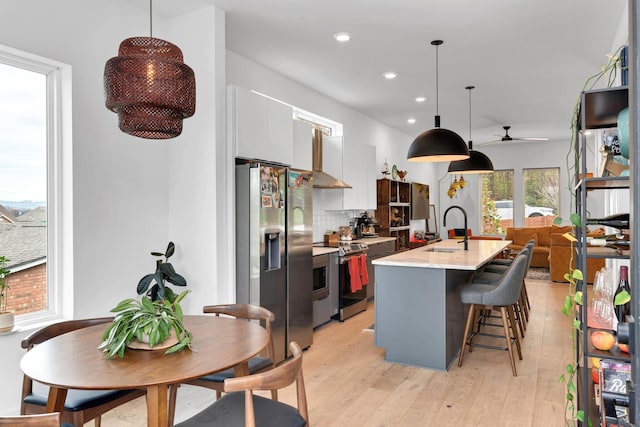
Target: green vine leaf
[(622, 298), (577, 274), (578, 298), (576, 325), (566, 308), (575, 219)]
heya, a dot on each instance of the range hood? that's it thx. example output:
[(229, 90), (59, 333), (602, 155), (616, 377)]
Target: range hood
[(322, 179)]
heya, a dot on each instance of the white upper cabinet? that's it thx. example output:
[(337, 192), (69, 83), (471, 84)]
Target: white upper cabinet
[(259, 127), (302, 145), (360, 172)]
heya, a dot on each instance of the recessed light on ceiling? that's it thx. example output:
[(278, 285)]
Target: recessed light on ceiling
[(342, 37), (411, 121), (421, 98), (390, 75)]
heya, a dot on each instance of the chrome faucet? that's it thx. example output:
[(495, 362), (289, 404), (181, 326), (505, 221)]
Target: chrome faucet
[(444, 224)]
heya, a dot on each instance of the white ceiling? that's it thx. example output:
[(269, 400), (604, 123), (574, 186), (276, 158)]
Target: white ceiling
[(528, 59)]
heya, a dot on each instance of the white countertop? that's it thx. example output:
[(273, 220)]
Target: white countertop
[(374, 240), (322, 250), (480, 251)]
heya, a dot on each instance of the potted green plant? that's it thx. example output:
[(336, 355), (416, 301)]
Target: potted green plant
[(154, 321), (7, 319)]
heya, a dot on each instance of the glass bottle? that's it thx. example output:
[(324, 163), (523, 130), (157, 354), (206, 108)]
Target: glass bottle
[(620, 221), (623, 310)]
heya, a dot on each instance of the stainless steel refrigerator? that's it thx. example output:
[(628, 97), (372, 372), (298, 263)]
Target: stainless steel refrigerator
[(274, 267)]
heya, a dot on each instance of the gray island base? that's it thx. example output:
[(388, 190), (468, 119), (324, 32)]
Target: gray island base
[(419, 318)]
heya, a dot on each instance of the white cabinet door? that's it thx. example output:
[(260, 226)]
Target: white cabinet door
[(302, 145), (360, 172), (260, 128)]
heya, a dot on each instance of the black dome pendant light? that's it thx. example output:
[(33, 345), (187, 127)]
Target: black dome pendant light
[(477, 162), (437, 144)]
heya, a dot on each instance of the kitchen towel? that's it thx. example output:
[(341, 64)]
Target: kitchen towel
[(364, 274), (354, 273)]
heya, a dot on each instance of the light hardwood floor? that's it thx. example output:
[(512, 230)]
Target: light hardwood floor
[(349, 383)]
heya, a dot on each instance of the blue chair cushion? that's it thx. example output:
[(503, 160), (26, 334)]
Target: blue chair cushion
[(256, 364), (77, 400), (228, 411)]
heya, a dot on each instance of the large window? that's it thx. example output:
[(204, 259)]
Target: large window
[(497, 202), (33, 182), (541, 196)]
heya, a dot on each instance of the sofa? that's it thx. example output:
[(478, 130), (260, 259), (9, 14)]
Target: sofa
[(519, 237), (552, 250), (560, 255)]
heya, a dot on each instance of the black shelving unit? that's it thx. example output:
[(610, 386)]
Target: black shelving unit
[(598, 110)]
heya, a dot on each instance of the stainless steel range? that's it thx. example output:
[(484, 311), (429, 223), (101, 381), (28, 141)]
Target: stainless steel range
[(352, 271)]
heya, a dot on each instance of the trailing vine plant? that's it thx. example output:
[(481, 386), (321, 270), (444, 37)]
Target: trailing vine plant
[(574, 276)]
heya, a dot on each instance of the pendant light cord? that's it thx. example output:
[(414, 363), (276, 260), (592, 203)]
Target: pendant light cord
[(437, 97), (437, 43), (469, 88), (150, 18)]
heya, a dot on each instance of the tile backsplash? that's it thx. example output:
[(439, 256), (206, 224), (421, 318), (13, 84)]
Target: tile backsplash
[(324, 221)]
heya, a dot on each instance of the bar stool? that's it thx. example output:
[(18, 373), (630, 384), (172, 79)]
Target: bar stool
[(499, 265), (502, 297), (493, 273)]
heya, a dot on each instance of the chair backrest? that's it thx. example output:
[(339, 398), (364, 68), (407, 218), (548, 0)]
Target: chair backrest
[(508, 288), (39, 420), (458, 233), (529, 245), (279, 377), (249, 312), (51, 331)]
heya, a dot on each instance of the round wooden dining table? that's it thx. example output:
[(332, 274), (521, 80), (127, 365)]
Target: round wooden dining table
[(73, 361)]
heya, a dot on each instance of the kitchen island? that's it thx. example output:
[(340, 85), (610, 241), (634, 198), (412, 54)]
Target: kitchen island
[(419, 318)]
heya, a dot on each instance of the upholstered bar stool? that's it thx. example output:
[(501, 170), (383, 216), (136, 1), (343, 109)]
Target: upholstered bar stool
[(492, 274), (502, 297), (498, 265)]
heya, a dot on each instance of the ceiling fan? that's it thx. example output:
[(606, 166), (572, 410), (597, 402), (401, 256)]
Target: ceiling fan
[(508, 138)]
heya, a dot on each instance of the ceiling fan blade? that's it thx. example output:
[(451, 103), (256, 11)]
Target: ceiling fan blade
[(506, 138)]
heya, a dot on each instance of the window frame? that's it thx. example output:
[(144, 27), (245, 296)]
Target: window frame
[(59, 184)]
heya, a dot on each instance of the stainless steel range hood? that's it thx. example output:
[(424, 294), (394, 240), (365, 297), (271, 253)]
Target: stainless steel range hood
[(322, 179)]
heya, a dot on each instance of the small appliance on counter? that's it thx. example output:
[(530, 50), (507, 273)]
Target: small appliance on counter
[(365, 226)]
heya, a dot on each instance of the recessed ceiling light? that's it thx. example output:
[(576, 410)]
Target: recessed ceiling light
[(420, 98), (390, 75), (411, 121), (342, 37)]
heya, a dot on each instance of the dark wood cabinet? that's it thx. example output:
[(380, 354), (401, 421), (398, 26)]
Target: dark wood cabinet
[(393, 211)]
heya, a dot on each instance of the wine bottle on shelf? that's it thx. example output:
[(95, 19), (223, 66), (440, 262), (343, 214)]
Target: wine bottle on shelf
[(620, 221), (623, 310)]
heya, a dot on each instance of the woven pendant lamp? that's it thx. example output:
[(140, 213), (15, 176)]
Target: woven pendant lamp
[(477, 163), (437, 144), (150, 87)]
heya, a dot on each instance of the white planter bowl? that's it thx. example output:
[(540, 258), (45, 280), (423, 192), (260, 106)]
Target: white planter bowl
[(6, 322)]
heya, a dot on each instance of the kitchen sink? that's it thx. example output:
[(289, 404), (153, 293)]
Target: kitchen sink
[(447, 250)]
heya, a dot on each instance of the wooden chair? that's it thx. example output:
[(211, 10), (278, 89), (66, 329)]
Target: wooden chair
[(240, 407), (36, 420), (256, 364), (80, 406)]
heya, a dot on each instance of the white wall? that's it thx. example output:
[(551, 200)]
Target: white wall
[(131, 196)]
